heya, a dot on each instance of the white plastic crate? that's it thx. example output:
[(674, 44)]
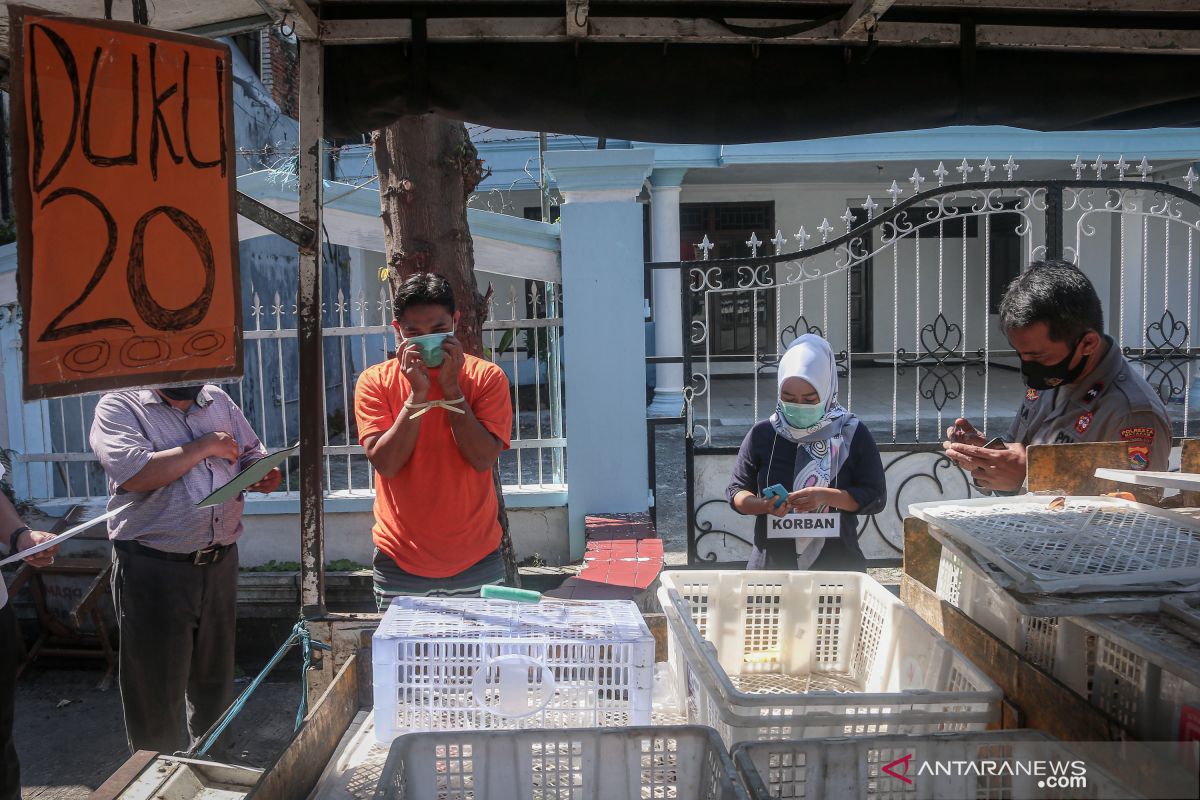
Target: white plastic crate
[(1147, 676), (688, 763), (1053, 644), (788, 655), (468, 663), (1090, 544), (834, 768)]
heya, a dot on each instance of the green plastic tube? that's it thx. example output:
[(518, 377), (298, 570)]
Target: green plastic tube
[(493, 592)]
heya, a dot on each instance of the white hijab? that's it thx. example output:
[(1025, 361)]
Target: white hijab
[(827, 442)]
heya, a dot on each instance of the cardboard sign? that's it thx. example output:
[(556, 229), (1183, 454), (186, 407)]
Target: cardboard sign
[(125, 187), (804, 526)]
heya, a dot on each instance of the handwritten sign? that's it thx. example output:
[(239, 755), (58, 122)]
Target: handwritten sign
[(128, 272)]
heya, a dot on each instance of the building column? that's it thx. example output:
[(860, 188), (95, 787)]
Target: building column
[(668, 331), (604, 332)]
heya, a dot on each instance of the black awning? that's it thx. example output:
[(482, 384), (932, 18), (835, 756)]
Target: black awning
[(727, 94)]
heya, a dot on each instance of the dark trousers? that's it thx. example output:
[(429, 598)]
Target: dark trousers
[(10, 770), (177, 625)]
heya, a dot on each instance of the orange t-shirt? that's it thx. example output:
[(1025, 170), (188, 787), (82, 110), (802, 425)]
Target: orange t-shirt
[(438, 515)]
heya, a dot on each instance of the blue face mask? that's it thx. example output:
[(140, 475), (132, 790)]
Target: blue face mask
[(431, 347), (801, 415)]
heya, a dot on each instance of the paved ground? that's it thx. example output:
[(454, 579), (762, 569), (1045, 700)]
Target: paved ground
[(71, 736)]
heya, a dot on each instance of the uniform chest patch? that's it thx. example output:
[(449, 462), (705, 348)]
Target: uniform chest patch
[(1084, 422), (1138, 434), (1139, 456), (1093, 392), (1031, 395)]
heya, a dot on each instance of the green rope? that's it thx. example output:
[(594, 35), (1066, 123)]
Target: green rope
[(300, 633)]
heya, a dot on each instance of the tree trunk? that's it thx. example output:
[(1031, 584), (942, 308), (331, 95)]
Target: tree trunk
[(427, 168)]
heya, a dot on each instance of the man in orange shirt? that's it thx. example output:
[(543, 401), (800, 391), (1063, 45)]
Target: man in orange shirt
[(433, 421)]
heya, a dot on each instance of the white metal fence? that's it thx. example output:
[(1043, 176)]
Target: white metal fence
[(52, 459)]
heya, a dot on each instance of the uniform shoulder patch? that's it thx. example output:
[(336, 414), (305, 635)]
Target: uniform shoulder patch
[(1139, 456), (1138, 434), (1093, 392), (1031, 395), (1084, 422)]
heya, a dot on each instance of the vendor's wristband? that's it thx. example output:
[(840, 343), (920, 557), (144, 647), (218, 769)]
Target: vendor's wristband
[(14, 536)]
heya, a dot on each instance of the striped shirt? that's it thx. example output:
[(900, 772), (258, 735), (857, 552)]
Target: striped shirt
[(130, 427)]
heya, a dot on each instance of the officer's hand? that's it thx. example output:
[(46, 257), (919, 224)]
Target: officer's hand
[(221, 445), (995, 470), (962, 432)]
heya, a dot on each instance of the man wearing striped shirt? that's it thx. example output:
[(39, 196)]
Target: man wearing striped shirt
[(175, 566)]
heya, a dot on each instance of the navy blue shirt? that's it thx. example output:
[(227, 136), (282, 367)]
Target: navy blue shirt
[(861, 475)]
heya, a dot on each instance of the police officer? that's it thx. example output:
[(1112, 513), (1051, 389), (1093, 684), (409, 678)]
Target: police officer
[(1080, 387)]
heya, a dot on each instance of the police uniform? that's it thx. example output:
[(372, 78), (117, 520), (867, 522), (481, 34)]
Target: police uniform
[(1112, 403)]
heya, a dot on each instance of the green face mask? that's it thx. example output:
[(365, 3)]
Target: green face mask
[(431, 347), (801, 415)]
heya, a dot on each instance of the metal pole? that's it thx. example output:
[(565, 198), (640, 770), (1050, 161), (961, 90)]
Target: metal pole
[(1054, 222), (545, 194), (308, 325), (689, 444)]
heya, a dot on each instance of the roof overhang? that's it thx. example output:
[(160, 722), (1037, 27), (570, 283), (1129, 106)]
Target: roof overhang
[(725, 71)]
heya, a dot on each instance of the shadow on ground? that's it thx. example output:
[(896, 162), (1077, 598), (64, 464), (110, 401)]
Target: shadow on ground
[(71, 736)]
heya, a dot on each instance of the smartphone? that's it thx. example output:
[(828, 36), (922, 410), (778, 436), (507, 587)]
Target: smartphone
[(995, 444), (778, 492)]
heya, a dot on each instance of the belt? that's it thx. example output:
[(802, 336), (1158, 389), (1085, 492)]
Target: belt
[(201, 558)]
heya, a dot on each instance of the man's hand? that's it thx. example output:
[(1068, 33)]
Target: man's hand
[(221, 445), (269, 483), (995, 470), (415, 371), (30, 538), (963, 432), (452, 364)]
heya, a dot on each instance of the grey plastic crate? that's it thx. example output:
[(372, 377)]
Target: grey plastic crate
[(685, 762)]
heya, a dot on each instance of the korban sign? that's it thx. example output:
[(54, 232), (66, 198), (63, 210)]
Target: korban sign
[(125, 189), (803, 525)]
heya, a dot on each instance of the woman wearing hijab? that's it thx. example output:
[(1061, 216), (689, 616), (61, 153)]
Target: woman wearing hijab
[(821, 454)]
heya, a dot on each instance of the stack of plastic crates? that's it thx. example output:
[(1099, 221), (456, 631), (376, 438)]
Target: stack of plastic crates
[(1053, 644), (993, 764), (688, 763), (1029, 569), (475, 664), (790, 655), (1146, 675)]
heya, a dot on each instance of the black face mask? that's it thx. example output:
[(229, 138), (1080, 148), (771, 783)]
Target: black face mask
[(1051, 376), (181, 393)]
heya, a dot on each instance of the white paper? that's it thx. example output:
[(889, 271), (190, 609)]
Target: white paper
[(62, 537), (805, 525)]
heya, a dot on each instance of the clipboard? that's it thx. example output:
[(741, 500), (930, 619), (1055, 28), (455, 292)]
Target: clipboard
[(62, 537), (248, 477)]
